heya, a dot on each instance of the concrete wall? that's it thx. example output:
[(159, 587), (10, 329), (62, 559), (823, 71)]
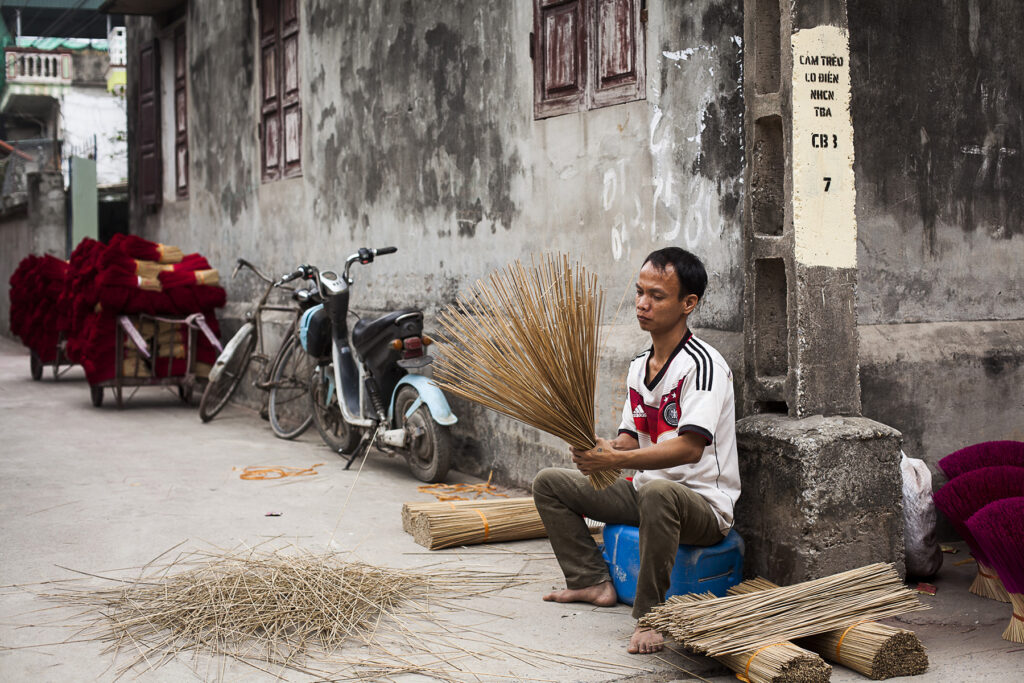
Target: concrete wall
[(418, 131), (938, 111)]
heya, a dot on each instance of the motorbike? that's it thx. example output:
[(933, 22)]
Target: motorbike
[(364, 390)]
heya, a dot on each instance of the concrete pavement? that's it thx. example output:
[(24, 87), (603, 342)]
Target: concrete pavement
[(101, 489)]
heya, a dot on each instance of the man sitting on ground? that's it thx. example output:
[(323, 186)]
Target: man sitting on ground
[(678, 431)]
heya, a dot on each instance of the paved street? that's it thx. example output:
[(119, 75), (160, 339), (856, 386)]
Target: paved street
[(97, 490)]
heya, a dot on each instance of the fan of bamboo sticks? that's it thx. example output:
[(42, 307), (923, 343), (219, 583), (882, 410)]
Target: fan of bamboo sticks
[(878, 651), (526, 345), (740, 623), (781, 662)]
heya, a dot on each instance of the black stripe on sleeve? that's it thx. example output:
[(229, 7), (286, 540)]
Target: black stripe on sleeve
[(697, 430), (630, 432), (698, 375), (710, 363)]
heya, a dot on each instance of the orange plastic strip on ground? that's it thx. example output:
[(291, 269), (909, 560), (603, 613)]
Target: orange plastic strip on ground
[(257, 473)]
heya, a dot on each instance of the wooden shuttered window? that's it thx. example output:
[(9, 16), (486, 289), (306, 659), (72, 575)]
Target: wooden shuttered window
[(587, 54), (180, 113), (150, 185), (559, 57), (281, 109)]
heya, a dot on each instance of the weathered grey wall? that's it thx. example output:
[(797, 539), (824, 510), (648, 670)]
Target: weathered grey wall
[(938, 111), (418, 131), (37, 227)]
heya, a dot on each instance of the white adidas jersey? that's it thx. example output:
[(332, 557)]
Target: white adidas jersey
[(692, 393)]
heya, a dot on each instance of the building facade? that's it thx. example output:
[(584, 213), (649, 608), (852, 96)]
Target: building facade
[(469, 135)]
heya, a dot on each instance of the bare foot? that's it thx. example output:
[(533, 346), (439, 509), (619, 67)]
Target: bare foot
[(644, 641), (600, 594)]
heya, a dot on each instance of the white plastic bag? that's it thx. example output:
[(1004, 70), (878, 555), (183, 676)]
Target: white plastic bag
[(923, 554)]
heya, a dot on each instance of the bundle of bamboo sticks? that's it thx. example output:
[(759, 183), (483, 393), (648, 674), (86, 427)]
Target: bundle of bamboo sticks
[(781, 662), (526, 345), (878, 651), (740, 623), (467, 522)]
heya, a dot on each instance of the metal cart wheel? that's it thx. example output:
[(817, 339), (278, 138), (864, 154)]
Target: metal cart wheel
[(96, 394), (35, 365)]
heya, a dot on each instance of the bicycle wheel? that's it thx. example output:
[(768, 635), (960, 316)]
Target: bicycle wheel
[(227, 372), (288, 404), (340, 436)]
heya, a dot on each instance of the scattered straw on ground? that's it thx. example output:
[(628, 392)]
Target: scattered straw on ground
[(322, 614)]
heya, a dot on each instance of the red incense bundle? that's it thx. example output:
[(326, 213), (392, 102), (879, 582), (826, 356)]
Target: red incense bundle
[(985, 454), (999, 529), (964, 496)]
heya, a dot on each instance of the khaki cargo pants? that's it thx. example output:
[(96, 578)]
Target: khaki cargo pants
[(668, 513)]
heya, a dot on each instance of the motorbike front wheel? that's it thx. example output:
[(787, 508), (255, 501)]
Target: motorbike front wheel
[(429, 448), (340, 436)]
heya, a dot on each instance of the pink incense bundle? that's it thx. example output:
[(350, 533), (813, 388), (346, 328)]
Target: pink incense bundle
[(985, 454), (999, 529), (964, 496)]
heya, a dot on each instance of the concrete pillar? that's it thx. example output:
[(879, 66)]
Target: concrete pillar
[(801, 518)]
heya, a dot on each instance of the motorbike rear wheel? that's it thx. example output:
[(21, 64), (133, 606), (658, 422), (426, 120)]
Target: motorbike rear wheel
[(429, 446), (340, 436)]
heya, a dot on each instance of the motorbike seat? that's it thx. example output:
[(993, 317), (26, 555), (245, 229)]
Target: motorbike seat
[(366, 331)]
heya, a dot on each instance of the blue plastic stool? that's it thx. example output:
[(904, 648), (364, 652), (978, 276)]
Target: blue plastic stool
[(698, 569)]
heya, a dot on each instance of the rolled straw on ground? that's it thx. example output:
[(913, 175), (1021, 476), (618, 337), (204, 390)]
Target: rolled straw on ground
[(999, 530), (506, 520), (781, 662), (411, 510), (526, 345), (878, 651), (740, 623)]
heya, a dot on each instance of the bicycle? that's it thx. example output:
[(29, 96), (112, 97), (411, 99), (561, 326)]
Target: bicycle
[(286, 376)]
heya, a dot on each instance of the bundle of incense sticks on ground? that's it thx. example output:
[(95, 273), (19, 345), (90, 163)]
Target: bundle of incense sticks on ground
[(526, 345), (878, 651), (999, 530), (468, 522), (963, 496), (295, 610), (743, 623), (781, 662)]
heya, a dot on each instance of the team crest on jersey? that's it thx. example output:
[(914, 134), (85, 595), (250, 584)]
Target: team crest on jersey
[(670, 413)]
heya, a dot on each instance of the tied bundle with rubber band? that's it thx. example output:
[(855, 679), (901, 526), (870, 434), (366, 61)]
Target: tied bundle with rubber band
[(526, 345), (965, 495), (446, 524), (781, 662), (999, 530), (144, 250), (878, 651), (742, 623), (985, 454)]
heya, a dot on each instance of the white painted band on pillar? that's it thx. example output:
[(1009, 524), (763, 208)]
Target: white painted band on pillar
[(824, 196)]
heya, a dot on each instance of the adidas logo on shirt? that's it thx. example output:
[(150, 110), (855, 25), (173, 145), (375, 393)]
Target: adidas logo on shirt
[(639, 412)]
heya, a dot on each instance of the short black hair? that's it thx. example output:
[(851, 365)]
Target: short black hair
[(693, 279)]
